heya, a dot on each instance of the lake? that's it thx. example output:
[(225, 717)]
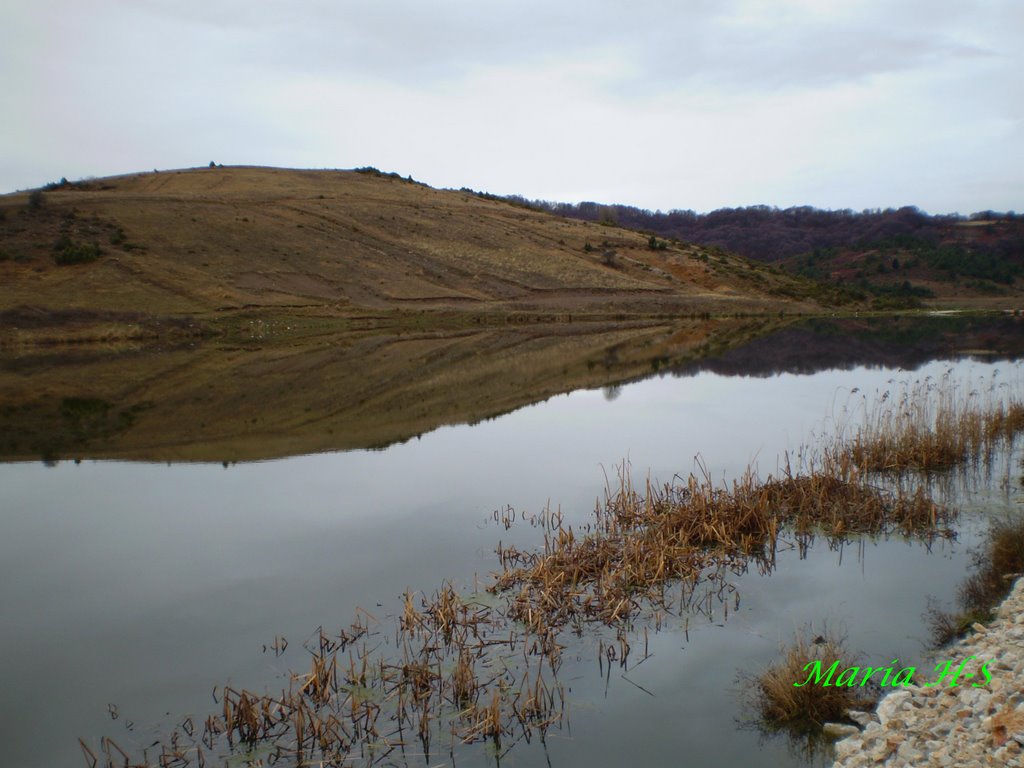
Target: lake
[(162, 528)]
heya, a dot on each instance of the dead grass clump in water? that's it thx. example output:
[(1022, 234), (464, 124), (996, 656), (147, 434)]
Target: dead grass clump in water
[(777, 703), (464, 683), (994, 566), (356, 704), (463, 667), (457, 669), (934, 426), (640, 542)]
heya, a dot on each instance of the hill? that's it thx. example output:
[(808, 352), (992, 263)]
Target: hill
[(135, 254), (895, 256)]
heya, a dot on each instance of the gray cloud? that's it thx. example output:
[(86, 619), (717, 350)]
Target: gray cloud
[(666, 104), (668, 45), (671, 45)]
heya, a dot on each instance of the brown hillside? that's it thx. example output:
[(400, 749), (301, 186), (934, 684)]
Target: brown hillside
[(341, 243)]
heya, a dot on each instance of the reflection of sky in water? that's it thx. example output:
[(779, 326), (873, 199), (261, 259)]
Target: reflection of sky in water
[(145, 585)]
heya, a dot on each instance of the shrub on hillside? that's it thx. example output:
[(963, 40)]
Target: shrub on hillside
[(66, 251)]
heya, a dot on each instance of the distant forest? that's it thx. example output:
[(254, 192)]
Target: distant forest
[(772, 234), (896, 256)]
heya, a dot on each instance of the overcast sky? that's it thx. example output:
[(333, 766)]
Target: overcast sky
[(658, 103)]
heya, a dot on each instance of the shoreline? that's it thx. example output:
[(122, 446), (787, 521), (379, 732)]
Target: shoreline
[(962, 726)]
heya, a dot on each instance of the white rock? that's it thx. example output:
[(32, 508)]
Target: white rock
[(879, 752), (846, 748), (890, 705), (861, 718), (839, 730), (945, 727)]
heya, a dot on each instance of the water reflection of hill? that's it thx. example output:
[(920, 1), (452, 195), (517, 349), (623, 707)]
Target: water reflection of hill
[(260, 399), (889, 342)]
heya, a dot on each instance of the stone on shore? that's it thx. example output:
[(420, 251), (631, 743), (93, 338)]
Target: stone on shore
[(977, 723)]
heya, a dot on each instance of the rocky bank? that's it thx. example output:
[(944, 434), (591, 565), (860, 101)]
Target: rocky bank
[(977, 722)]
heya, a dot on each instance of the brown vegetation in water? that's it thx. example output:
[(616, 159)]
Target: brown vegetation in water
[(935, 425), (777, 703), (995, 564), (459, 671), (639, 543), (463, 670)]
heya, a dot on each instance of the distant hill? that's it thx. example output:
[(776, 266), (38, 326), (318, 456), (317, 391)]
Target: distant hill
[(894, 255), (213, 242)]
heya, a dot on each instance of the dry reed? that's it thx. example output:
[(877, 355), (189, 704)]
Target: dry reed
[(456, 671), (994, 566), (484, 673), (777, 703), (683, 531), (934, 425)]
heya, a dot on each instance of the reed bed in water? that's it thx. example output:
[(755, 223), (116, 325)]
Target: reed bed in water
[(640, 542), (455, 669), (452, 669), (995, 565), (934, 425)]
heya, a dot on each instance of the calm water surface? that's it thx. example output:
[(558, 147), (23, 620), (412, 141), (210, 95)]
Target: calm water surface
[(145, 585)]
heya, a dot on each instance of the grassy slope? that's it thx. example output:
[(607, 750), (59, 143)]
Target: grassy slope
[(207, 241), (325, 289)]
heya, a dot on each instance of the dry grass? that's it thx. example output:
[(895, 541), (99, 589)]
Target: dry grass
[(639, 543), (995, 563), (474, 672), (455, 674), (777, 703), (344, 243), (934, 425)]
